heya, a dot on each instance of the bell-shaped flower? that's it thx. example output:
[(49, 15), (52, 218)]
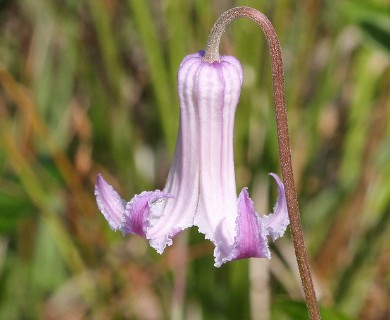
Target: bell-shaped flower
[(201, 189)]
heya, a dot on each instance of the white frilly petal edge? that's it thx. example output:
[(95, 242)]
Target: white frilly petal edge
[(159, 244), (252, 231)]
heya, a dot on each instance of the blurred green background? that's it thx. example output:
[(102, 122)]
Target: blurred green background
[(90, 86)]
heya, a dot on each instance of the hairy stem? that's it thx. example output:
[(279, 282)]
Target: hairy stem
[(211, 55)]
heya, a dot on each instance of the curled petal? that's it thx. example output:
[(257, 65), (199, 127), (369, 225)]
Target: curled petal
[(277, 222), (109, 203), (251, 237), (138, 209)]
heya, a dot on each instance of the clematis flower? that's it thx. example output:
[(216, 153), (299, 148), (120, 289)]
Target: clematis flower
[(201, 190)]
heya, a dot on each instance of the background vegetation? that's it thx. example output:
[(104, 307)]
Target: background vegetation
[(89, 86)]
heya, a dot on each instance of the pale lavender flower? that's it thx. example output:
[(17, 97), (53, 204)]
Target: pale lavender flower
[(201, 189)]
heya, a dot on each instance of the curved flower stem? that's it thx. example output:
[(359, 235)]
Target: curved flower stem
[(211, 55)]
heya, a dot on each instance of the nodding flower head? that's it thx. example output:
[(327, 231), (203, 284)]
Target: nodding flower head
[(201, 189)]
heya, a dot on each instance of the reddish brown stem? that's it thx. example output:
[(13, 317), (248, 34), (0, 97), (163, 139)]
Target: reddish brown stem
[(211, 55)]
